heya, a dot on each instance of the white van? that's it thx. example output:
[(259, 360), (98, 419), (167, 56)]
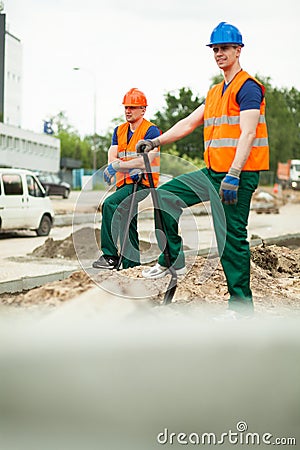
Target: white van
[(23, 202)]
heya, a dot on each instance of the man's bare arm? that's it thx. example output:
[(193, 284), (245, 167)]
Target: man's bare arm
[(248, 124), (184, 127)]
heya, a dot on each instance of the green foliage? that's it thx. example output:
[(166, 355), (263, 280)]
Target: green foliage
[(293, 105), (216, 79), (283, 121), (73, 146), (282, 115), (179, 105), (175, 164)]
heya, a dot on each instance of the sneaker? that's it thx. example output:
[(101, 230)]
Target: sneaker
[(159, 271), (105, 262)]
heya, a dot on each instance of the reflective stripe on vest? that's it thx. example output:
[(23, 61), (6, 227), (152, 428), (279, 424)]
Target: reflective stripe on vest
[(127, 151), (216, 143), (222, 128), (228, 120)]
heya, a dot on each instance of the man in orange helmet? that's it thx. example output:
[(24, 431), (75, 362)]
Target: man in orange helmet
[(126, 168)]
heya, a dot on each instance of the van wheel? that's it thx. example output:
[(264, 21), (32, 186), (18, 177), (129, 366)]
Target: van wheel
[(44, 227)]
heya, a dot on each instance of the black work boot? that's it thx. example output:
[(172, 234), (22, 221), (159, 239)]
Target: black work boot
[(106, 262)]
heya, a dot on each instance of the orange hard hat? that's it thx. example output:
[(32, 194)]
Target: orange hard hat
[(134, 97)]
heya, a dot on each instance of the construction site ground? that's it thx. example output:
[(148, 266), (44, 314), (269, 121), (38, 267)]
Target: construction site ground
[(62, 267)]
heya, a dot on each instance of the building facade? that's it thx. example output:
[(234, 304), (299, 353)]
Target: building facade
[(20, 148), (28, 150), (13, 81), (10, 76)]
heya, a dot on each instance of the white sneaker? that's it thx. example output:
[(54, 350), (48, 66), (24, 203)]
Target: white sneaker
[(159, 271)]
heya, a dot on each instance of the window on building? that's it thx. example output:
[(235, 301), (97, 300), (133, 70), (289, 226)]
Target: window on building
[(3, 140), (10, 142)]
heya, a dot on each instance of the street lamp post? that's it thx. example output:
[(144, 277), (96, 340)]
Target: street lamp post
[(94, 115)]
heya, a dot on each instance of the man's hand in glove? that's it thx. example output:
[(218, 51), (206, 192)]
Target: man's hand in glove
[(229, 187), (135, 175), (145, 145), (111, 171)]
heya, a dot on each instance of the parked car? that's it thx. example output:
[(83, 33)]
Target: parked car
[(54, 186), (24, 203)]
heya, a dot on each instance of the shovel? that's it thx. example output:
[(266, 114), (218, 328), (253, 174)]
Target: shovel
[(126, 232), (158, 218)]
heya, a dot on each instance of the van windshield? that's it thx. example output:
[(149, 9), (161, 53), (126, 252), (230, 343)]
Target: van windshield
[(296, 167)]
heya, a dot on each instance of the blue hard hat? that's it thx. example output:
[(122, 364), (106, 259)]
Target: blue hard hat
[(225, 33)]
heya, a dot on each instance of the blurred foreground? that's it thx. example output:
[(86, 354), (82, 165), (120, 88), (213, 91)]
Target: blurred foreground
[(85, 367), (102, 372)]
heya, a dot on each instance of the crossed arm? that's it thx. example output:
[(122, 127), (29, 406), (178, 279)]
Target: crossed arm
[(134, 163)]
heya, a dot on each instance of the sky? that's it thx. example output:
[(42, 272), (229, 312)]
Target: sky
[(157, 46)]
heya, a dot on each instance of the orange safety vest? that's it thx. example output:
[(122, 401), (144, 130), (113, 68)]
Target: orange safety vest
[(127, 151), (222, 128)]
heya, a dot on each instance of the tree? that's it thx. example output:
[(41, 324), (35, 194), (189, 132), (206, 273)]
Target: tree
[(179, 105), (293, 103), (283, 118), (73, 146), (282, 115), (102, 145)]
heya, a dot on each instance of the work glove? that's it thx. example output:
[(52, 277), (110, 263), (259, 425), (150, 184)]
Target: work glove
[(111, 171), (135, 175), (145, 145), (229, 187)]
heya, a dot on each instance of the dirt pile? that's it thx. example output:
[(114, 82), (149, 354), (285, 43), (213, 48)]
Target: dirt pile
[(275, 279), (83, 243), (277, 261)]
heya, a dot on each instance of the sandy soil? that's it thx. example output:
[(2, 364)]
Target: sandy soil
[(275, 277), (275, 273)]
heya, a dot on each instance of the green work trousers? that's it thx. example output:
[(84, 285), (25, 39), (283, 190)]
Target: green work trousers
[(115, 216), (230, 224)]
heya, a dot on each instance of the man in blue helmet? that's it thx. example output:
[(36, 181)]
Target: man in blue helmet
[(236, 150)]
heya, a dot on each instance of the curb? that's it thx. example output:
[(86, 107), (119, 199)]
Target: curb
[(27, 283), (62, 220)]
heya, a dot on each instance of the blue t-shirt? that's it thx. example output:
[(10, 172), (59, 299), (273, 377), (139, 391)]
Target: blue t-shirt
[(152, 132), (249, 96)]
